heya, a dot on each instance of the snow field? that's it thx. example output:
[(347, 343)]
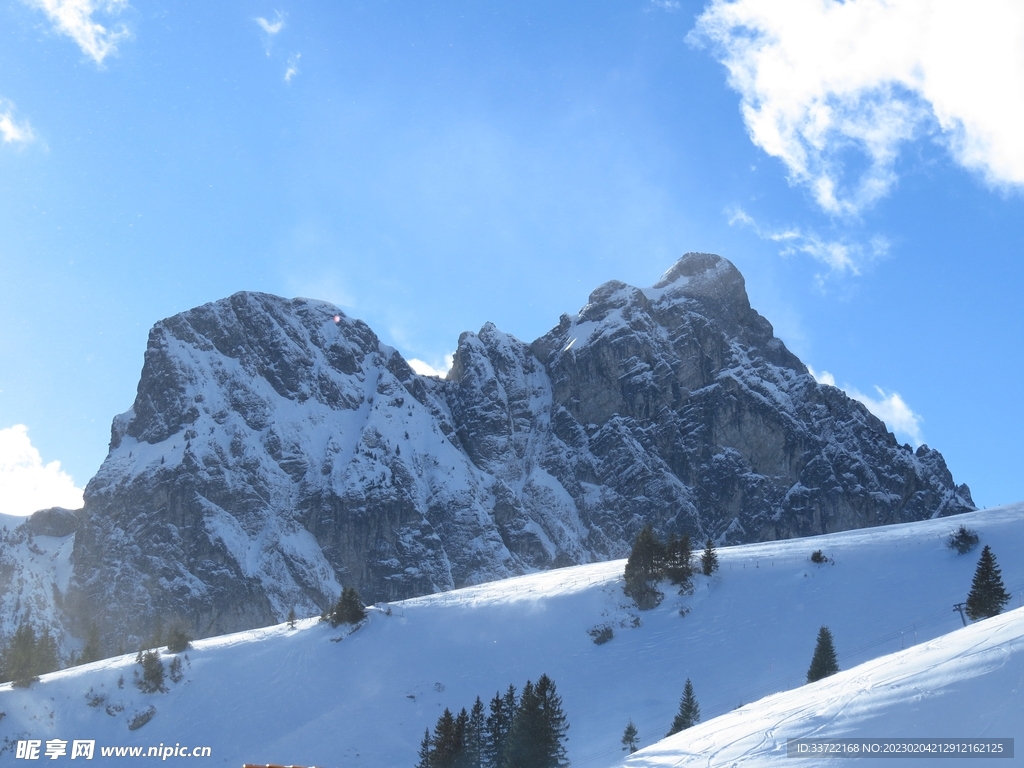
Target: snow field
[(293, 696)]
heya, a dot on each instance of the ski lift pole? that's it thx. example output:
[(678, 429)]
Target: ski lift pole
[(959, 607)]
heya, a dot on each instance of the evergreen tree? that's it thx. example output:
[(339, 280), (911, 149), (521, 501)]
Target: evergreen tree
[(499, 723), (444, 744), (475, 735), (678, 566), (630, 738), (424, 754), (92, 650), (824, 661), (152, 680), (349, 608), (709, 560), (174, 670), (554, 729), (178, 638), (18, 659), (644, 568), (689, 710), (291, 618), (988, 596), (522, 749), (461, 759), (44, 657)]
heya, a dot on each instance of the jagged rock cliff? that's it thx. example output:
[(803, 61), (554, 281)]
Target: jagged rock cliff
[(277, 450)]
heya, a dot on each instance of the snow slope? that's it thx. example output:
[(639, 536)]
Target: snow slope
[(294, 696), (967, 684)]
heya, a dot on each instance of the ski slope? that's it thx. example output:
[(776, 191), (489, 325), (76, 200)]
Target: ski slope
[(331, 697)]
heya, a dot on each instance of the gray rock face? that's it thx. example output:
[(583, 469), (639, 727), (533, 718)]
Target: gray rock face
[(277, 450)]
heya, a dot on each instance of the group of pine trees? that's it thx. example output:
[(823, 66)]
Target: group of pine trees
[(687, 717), (525, 731), (26, 656), (651, 560)]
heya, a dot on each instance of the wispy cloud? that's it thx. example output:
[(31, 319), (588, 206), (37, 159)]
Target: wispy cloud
[(888, 406), (293, 67), (426, 369), (821, 79), (666, 5), (26, 484), (841, 256), (270, 29), (13, 130), (74, 18)]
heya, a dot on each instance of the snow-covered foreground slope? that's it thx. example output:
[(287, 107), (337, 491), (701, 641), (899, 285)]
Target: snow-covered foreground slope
[(294, 696), (968, 684)]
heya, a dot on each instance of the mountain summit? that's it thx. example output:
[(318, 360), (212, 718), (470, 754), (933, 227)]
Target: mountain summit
[(277, 450)]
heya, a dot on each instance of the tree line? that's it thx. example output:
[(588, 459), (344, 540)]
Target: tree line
[(519, 731)]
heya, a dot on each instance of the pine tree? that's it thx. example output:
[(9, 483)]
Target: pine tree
[(152, 680), (630, 738), (475, 735), (678, 566), (444, 744), (424, 754), (643, 568), (689, 710), (291, 618), (92, 650), (18, 659), (555, 725), (461, 759), (499, 723), (824, 661), (709, 560), (178, 638), (44, 657), (522, 749), (349, 608), (988, 596)]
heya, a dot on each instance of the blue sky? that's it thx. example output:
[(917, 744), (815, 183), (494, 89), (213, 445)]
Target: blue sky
[(431, 166)]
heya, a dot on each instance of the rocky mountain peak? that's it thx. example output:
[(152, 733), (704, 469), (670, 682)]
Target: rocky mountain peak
[(277, 450)]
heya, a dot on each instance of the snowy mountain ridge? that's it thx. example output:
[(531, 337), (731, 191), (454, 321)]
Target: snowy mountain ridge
[(277, 450), (317, 696)]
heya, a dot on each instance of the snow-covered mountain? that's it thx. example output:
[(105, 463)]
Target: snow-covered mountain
[(317, 696), (277, 450)]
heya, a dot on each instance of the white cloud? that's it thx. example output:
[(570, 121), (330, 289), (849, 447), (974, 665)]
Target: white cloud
[(426, 369), (13, 131), (842, 256), (270, 29), (26, 484), (890, 407), (293, 67), (666, 5), (819, 78), (74, 18)]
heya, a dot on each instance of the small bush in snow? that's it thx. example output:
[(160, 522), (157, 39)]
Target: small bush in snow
[(175, 672), (601, 634), (963, 540), (178, 639), (141, 718), (818, 557)]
